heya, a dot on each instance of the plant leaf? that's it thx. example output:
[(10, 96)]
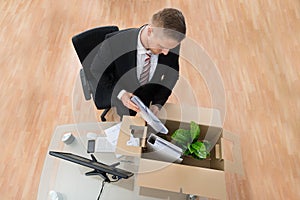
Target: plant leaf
[(184, 147), (195, 131), (181, 136), (191, 150), (187, 152), (199, 150)]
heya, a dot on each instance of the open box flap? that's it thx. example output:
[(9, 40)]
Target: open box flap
[(182, 179), (124, 136), (185, 113), (236, 164)]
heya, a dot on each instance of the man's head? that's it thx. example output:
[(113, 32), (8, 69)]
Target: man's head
[(166, 31)]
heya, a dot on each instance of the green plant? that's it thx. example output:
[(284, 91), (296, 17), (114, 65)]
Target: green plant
[(188, 140)]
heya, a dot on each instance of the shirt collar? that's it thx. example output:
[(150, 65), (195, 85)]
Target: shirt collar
[(140, 48)]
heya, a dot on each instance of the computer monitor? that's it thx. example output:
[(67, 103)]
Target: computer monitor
[(100, 168)]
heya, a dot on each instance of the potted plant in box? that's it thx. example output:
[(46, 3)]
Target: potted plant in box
[(189, 141)]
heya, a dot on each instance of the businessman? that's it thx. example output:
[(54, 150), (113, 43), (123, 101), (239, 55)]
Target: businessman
[(140, 61)]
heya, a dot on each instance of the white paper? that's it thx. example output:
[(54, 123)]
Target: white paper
[(108, 143), (149, 117), (133, 141), (103, 145), (112, 133)]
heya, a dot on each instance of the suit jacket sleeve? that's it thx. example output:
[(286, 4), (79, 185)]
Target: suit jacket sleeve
[(114, 58), (102, 69), (102, 60)]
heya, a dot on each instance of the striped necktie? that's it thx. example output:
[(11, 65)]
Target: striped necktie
[(144, 78)]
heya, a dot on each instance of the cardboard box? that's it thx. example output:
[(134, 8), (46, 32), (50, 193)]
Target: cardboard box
[(192, 176)]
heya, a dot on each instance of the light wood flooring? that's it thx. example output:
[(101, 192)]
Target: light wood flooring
[(255, 44)]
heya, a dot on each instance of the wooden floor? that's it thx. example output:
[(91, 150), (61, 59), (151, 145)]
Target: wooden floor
[(255, 44)]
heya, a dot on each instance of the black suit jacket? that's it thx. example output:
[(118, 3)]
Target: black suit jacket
[(114, 68)]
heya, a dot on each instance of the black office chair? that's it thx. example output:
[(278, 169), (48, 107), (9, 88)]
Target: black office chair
[(86, 45)]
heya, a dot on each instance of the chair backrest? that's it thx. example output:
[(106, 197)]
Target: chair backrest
[(86, 45), (86, 41)]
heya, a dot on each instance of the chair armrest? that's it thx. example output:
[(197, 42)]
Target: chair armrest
[(85, 85)]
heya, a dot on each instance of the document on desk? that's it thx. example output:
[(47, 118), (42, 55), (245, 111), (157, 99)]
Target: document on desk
[(103, 145), (149, 117), (108, 143)]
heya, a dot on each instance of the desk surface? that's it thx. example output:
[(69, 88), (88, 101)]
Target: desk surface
[(69, 178)]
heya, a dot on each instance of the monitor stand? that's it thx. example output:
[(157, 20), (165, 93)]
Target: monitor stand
[(101, 173)]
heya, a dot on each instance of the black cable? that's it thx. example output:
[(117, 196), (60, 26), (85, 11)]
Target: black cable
[(103, 182)]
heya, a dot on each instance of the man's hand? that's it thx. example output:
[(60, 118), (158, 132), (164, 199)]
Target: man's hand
[(128, 103), (154, 109)]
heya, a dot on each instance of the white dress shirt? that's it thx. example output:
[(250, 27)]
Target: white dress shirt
[(140, 60)]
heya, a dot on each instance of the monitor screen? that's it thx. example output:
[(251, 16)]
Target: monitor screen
[(92, 164)]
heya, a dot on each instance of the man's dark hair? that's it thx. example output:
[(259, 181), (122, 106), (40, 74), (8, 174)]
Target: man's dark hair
[(172, 20)]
